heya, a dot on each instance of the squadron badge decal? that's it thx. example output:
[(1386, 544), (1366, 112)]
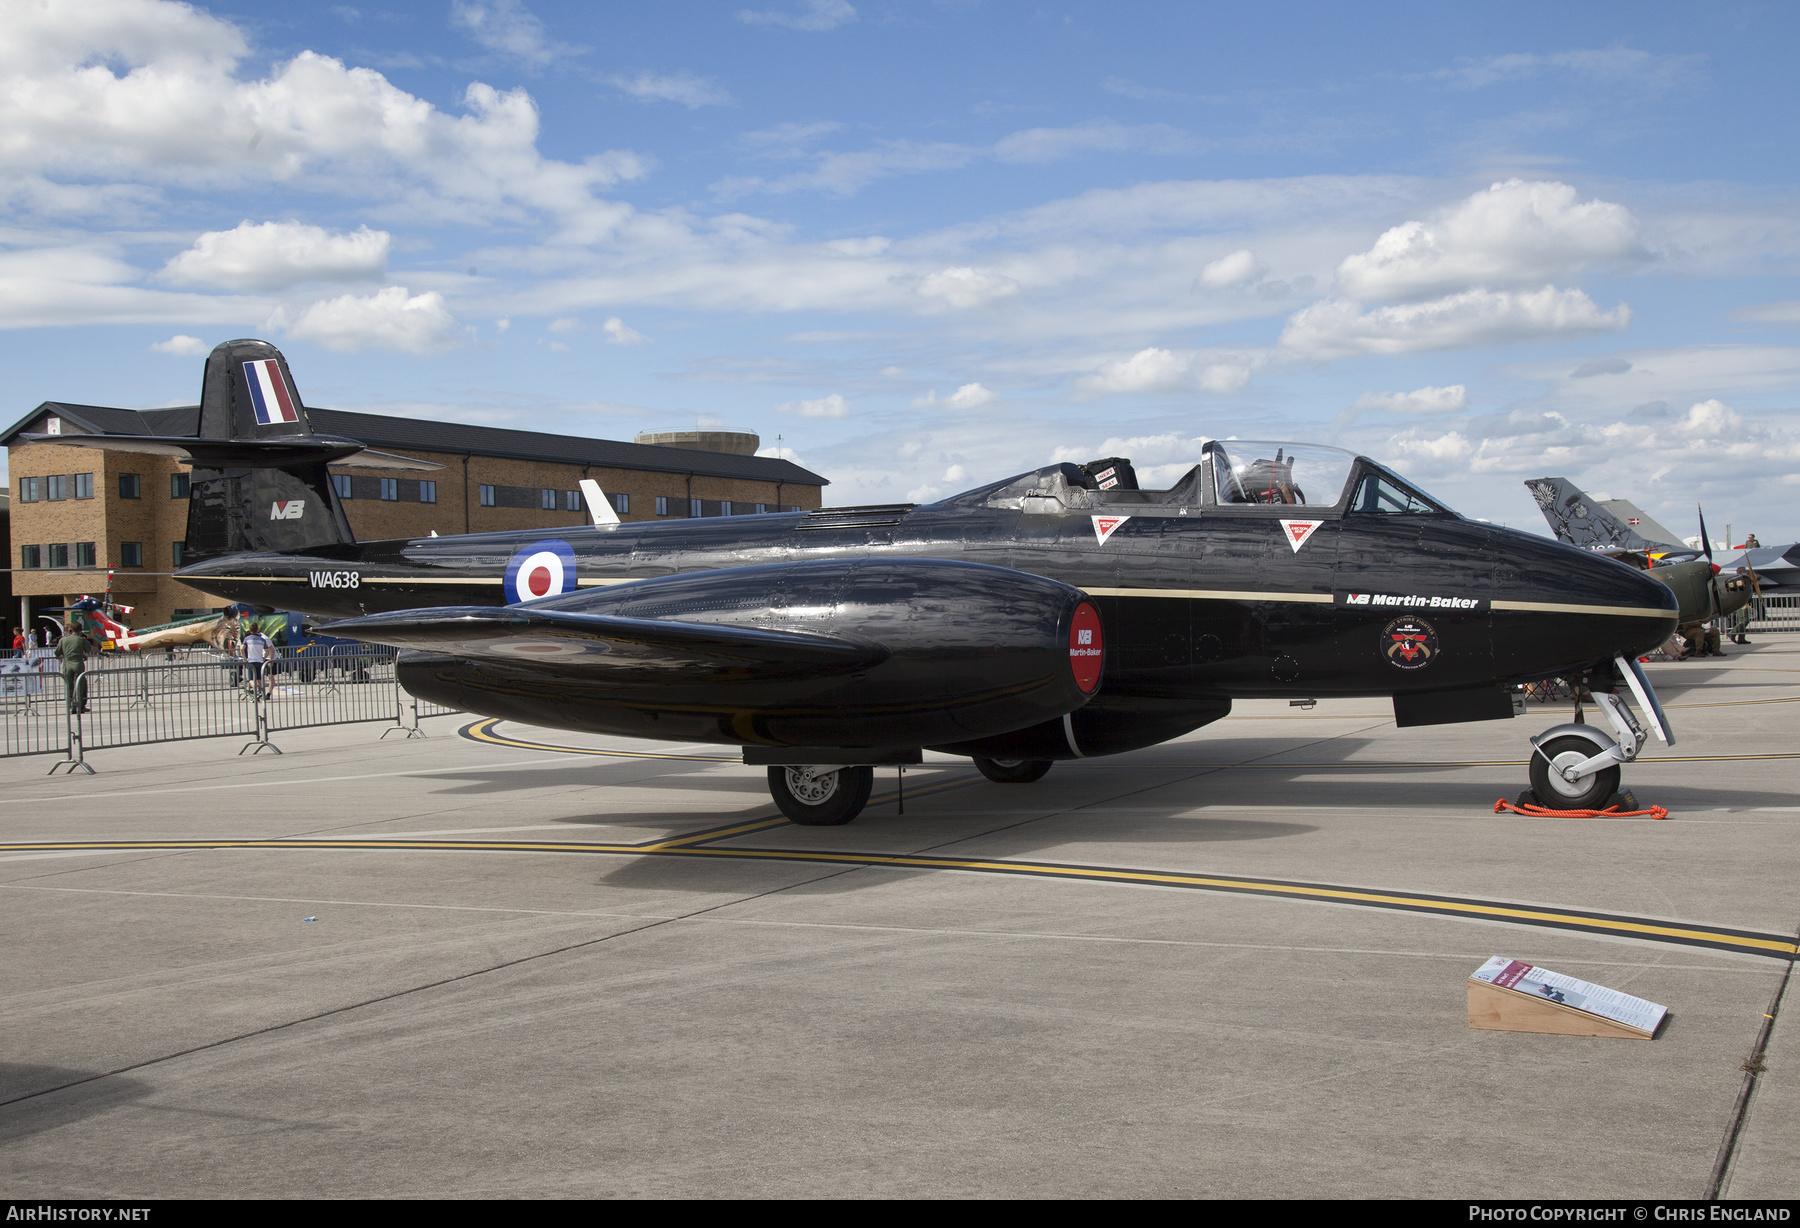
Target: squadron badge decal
[(1409, 643)]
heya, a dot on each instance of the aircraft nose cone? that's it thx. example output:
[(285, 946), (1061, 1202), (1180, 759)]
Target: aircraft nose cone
[(1557, 608)]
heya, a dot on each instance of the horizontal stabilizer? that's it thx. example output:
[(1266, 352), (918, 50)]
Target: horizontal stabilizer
[(267, 453), (601, 647)]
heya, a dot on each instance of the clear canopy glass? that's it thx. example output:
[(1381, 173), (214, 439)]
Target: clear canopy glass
[(1297, 475)]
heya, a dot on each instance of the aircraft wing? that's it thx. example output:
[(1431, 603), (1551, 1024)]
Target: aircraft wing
[(604, 647)]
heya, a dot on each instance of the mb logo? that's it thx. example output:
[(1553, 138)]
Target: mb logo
[(292, 509)]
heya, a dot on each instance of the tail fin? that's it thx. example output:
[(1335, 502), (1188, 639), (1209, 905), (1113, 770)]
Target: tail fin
[(260, 480), (1579, 520), (279, 498)]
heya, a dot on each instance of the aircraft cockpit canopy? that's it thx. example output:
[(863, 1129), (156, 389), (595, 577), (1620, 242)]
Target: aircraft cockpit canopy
[(1232, 475)]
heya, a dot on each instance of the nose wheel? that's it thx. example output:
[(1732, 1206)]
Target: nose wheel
[(1558, 755), (821, 796)]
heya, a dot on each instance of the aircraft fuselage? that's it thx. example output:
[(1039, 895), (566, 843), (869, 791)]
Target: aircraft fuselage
[(1216, 602)]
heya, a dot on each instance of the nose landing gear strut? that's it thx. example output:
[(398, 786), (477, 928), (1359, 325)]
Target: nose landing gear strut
[(1576, 767)]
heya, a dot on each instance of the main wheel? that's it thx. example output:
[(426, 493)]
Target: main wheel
[(1588, 793), (1012, 771), (815, 798)]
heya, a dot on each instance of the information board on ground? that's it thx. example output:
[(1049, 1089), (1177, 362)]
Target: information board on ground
[(1567, 991)]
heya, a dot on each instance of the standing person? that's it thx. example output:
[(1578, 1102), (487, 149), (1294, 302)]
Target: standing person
[(256, 657), (74, 649), (1740, 617), (18, 642)]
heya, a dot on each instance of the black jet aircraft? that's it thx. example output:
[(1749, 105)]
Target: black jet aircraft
[(1054, 615)]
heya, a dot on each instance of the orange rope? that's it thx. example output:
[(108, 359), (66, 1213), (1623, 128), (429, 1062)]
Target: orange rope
[(1611, 812)]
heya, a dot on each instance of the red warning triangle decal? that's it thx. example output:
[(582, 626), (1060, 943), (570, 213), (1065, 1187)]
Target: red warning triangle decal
[(1105, 525), (1298, 531)]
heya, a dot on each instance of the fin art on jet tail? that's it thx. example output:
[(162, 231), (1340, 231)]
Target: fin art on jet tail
[(1580, 520)]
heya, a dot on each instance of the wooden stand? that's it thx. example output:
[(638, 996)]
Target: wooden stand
[(1496, 1009)]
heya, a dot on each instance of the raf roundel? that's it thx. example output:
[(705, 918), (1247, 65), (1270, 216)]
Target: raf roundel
[(542, 569)]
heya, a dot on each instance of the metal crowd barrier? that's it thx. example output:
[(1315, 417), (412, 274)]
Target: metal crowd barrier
[(1775, 613), (138, 700)]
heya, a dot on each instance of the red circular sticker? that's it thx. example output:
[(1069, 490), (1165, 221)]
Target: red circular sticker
[(1086, 652)]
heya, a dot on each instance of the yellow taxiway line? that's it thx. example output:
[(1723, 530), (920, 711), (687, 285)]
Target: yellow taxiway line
[(1647, 929)]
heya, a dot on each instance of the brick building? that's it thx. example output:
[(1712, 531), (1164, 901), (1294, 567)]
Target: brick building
[(78, 513)]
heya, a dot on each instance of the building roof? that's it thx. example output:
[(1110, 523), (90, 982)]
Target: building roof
[(427, 435)]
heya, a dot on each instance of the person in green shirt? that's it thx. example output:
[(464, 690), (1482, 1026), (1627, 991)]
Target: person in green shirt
[(74, 648)]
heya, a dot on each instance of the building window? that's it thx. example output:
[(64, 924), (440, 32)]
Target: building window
[(571, 500), (84, 486), (57, 486), (59, 554), (427, 492), (31, 557), (662, 505), (130, 486), (31, 490), (84, 554), (178, 485), (622, 504), (725, 507), (340, 482), (761, 508), (390, 489), (547, 500), (694, 508), (487, 496), (177, 549), (131, 554)]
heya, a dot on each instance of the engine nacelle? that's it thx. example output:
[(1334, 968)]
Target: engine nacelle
[(949, 651)]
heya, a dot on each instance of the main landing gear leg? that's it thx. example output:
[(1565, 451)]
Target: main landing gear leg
[(821, 796), (1577, 767)]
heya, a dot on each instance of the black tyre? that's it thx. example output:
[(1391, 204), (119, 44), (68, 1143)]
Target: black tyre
[(1555, 793), (821, 798), (1012, 771)]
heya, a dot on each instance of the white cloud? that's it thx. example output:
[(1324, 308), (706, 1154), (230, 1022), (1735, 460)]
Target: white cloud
[(683, 87), (181, 344), (1711, 418), (969, 396), (619, 333), (507, 28), (1335, 328), (151, 91), (1097, 136), (1612, 65), (781, 453), (1233, 270), (276, 255), (966, 287), (78, 286), (390, 319), (848, 173), (1426, 400), (1143, 93), (1158, 370), (813, 15), (788, 140), (567, 324), (1513, 233), (1771, 313), (833, 406)]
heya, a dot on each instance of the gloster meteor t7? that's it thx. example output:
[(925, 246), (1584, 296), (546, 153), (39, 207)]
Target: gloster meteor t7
[(1058, 614)]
